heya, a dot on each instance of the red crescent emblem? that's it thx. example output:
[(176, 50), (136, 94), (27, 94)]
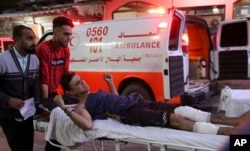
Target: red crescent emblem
[(70, 42)]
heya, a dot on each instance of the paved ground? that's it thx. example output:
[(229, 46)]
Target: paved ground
[(38, 145)]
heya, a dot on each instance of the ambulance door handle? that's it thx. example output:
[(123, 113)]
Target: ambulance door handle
[(166, 60), (165, 71)]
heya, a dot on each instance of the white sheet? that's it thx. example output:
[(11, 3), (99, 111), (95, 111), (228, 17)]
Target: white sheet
[(67, 133), (234, 102)]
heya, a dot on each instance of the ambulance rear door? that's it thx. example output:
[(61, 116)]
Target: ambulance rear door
[(173, 72)]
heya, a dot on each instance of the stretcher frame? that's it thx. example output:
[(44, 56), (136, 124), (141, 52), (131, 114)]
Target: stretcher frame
[(163, 146)]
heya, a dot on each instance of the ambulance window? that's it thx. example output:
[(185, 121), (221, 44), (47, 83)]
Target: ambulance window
[(230, 38), (174, 33), (45, 37)]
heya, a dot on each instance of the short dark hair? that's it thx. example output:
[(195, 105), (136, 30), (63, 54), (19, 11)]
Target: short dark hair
[(62, 20), (18, 30), (66, 78)]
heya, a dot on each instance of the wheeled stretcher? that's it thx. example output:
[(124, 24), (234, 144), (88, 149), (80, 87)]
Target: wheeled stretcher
[(61, 128)]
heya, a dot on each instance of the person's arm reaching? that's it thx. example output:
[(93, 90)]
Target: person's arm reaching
[(42, 52), (44, 90), (80, 116), (67, 59), (109, 79)]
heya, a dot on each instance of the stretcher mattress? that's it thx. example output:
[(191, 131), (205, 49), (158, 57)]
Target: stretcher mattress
[(67, 133)]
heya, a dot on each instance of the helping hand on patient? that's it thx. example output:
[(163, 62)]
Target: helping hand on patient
[(59, 101)]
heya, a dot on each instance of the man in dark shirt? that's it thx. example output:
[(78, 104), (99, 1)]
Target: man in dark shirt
[(135, 111), (19, 84)]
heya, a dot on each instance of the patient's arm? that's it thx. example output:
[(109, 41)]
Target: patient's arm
[(79, 115), (108, 78)]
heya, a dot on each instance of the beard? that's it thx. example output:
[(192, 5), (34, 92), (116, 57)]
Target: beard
[(31, 49)]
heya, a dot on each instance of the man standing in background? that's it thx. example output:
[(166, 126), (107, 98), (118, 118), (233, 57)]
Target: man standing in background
[(54, 58), (19, 78)]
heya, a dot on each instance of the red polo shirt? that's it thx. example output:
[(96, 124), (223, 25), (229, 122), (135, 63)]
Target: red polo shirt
[(53, 63)]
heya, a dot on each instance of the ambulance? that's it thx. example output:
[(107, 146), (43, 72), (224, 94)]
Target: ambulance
[(231, 58), (161, 57)]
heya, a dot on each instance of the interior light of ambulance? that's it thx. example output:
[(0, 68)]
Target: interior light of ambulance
[(184, 38), (185, 42), (162, 25), (159, 11)]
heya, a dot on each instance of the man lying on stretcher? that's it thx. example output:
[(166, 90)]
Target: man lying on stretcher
[(133, 110)]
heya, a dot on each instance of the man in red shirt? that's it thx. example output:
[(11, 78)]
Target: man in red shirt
[(54, 58)]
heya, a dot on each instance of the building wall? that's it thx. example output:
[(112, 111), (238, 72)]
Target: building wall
[(227, 3), (5, 28), (115, 4)]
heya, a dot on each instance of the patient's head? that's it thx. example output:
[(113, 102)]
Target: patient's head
[(73, 83), (66, 78)]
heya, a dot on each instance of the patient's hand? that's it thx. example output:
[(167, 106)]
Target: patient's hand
[(59, 101), (108, 77)]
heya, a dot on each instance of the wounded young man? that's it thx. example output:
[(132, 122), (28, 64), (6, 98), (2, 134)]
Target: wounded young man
[(133, 110)]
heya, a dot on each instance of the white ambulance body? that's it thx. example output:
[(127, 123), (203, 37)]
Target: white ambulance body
[(145, 55), (231, 58), (137, 48)]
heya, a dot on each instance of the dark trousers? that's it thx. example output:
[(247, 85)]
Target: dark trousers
[(149, 113), (50, 104), (20, 135), (50, 147)]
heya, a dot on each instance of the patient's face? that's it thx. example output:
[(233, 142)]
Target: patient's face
[(78, 85)]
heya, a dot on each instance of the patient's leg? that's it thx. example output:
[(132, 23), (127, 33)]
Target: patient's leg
[(145, 117), (181, 123), (233, 121), (192, 113), (227, 130), (178, 122), (201, 116)]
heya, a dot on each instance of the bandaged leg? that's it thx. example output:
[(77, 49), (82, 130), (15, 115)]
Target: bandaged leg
[(205, 128), (192, 114)]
